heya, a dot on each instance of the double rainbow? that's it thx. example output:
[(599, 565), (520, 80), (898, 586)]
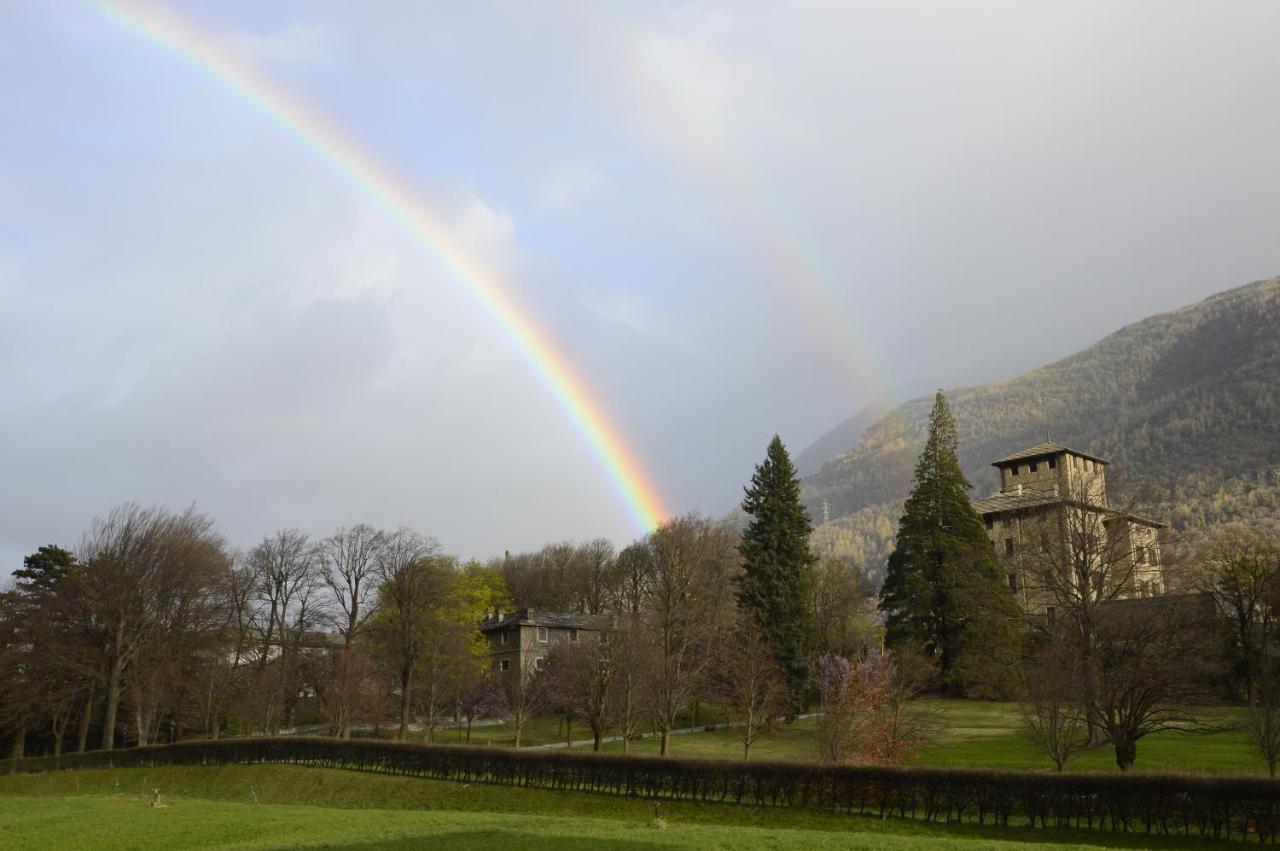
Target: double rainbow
[(396, 197)]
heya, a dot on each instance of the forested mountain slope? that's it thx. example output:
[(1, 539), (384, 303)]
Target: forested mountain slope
[(839, 439), (1185, 404)]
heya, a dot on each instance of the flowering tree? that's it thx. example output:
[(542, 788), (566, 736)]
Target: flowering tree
[(865, 714)]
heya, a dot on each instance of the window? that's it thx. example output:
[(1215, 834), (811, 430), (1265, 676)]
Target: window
[(1008, 546), (991, 522), (1141, 556), (503, 638), (505, 664), (540, 633), (1013, 582), (1053, 463), (573, 635), (1013, 471), (540, 663), (1051, 612), (1034, 466)]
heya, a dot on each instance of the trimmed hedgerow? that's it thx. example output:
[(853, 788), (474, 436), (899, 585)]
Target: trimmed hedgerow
[(1240, 808)]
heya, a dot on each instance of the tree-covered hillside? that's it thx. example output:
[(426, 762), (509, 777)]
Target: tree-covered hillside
[(1185, 404)]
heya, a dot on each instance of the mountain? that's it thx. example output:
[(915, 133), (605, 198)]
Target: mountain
[(1186, 405), (840, 439)]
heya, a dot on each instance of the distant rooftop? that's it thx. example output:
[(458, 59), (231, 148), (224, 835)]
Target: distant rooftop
[(1040, 450), (538, 617)]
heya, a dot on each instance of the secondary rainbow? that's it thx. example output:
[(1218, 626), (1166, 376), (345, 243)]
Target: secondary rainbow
[(410, 211)]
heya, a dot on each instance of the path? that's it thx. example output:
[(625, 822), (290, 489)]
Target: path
[(706, 728)]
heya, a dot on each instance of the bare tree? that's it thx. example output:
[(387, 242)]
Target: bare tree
[(349, 565), (633, 578), (1239, 566), (1263, 724), (1153, 666), (634, 654), (747, 683), (689, 605), (286, 581), (521, 695), (845, 620), (227, 682), (409, 570), (580, 681), (596, 558), (1075, 560), (476, 699), (147, 573), (1054, 719)]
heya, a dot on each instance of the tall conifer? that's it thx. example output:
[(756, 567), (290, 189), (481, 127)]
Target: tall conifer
[(774, 586), (942, 589)]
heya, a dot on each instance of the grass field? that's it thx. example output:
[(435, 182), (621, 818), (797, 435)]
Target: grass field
[(989, 735), (289, 806)]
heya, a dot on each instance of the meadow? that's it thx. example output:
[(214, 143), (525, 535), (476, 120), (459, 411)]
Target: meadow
[(280, 806), (277, 806), (969, 734)]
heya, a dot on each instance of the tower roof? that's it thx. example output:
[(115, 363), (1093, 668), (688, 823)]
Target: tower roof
[(1040, 450)]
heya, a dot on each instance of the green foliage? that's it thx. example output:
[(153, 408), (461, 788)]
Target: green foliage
[(43, 570), (942, 590), (774, 586)]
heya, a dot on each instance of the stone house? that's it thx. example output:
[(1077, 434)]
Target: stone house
[(521, 642), (1052, 516)]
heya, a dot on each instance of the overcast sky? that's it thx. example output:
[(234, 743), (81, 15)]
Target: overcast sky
[(736, 218)]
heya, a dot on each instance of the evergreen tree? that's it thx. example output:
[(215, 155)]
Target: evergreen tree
[(774, 586), (44, 569), (942, 588)]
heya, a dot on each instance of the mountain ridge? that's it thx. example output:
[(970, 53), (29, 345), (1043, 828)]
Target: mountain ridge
[(1186, 404)]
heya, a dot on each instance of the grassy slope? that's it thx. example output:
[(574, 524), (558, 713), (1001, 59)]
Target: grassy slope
[(212, 807)]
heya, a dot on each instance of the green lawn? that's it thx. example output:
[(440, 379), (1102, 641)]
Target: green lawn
[(989, 735), (549, 729), (291, 806)]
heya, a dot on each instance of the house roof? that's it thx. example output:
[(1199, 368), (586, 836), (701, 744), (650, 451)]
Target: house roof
[(998, 503), (1015, 502), (1041, 450), (539, 617)]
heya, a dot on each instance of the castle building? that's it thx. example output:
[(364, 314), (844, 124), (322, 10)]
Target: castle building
[(1054, 528)]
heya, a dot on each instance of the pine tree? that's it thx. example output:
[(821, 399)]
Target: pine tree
[(774, 586), (942, 589)]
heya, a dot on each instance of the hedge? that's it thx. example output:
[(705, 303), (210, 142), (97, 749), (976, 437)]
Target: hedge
[(1239, 808)]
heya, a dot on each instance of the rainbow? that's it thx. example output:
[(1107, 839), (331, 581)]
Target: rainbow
[(396, 197), (813, 287)]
